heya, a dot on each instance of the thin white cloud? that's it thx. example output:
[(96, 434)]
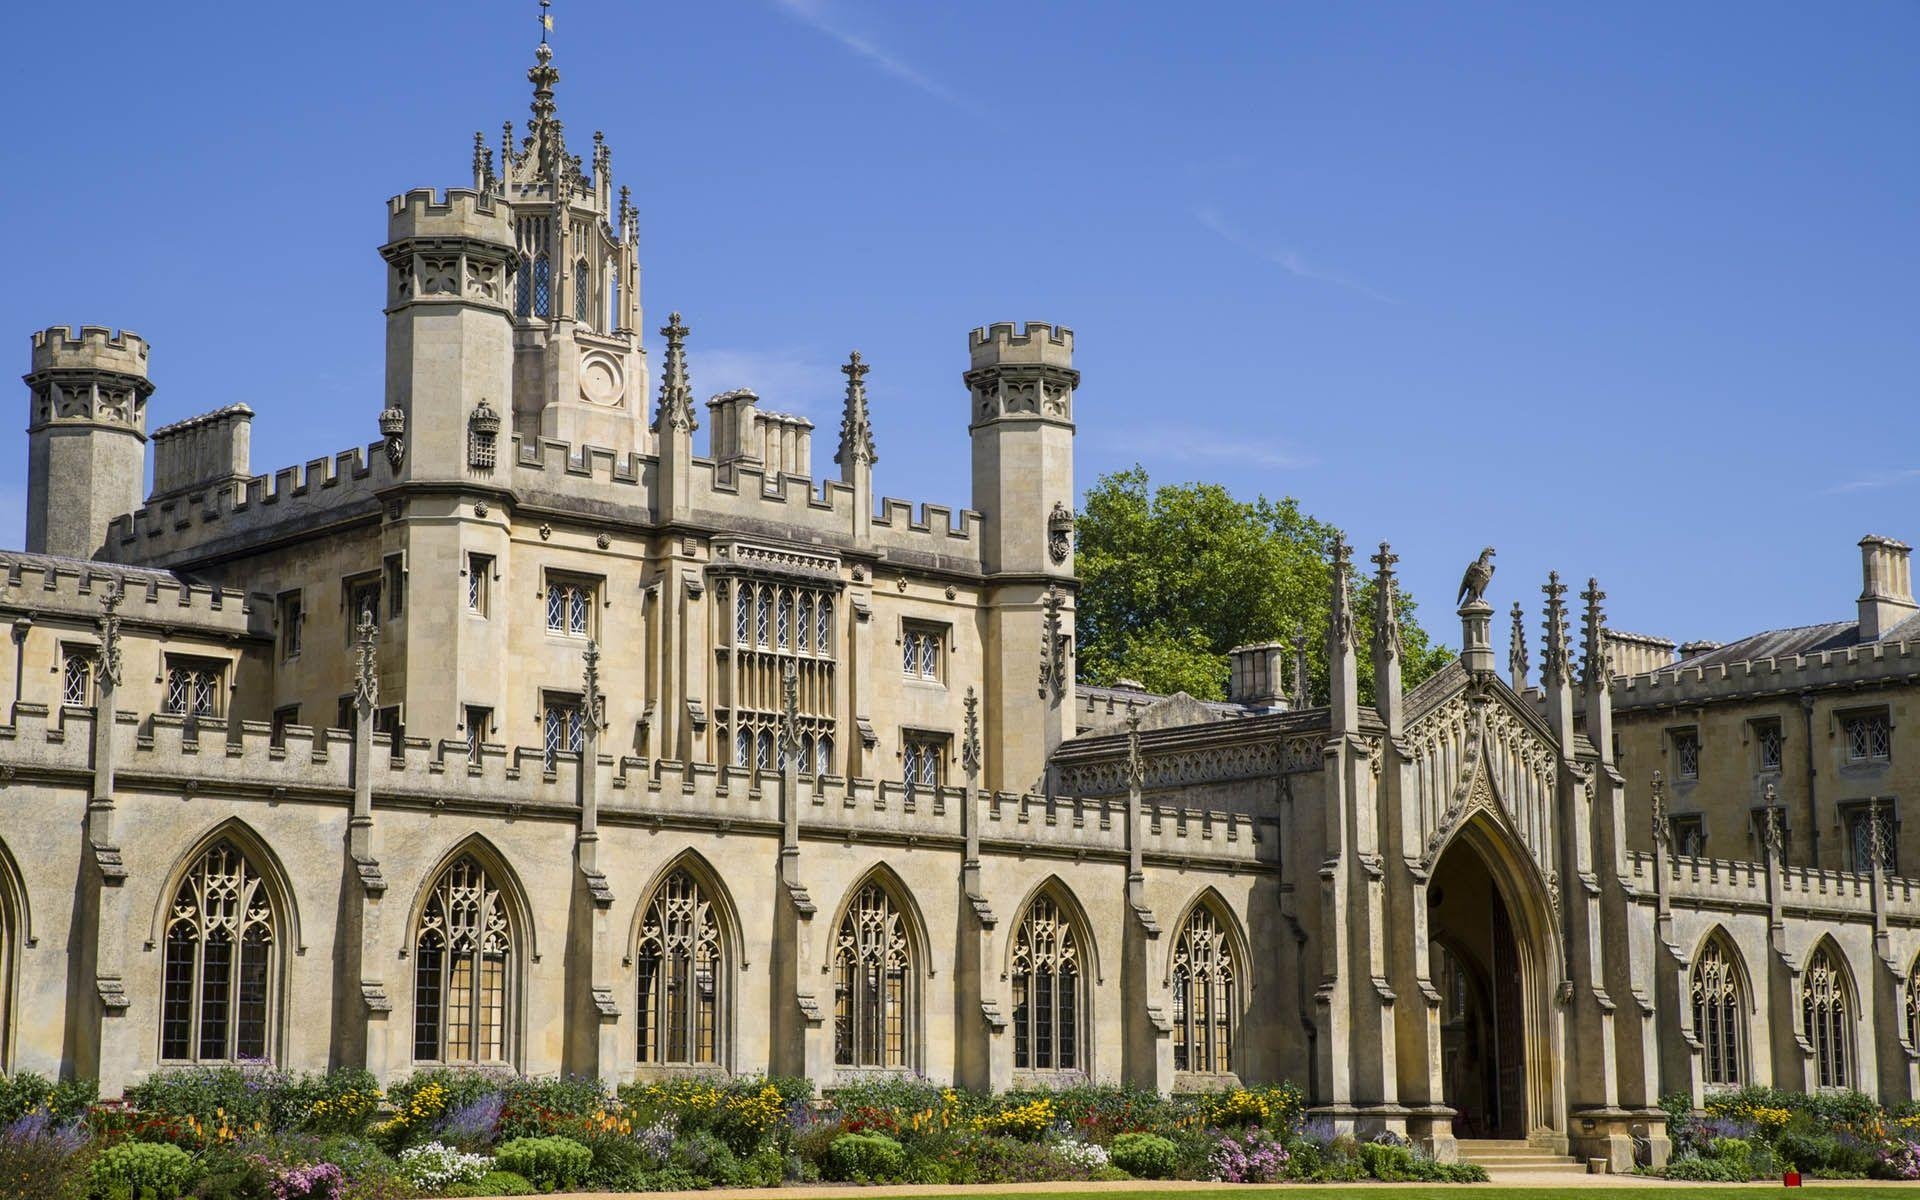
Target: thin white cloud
[(1884, 479), (814, 13), (1286, 259), (1186, 445), (789, 381)]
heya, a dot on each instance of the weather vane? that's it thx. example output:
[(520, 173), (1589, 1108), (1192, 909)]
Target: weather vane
[(546, 20)]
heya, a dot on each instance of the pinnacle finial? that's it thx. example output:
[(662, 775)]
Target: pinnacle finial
[(856, 424), (1771, 834), (1517, 649), (366, 665), (591, 700), (1136, 767), (789, 713), (970, 742), (1300, 676), (676, 391), (1662, 831), (1555, 652), (1596, 667), (110, 661), (1386, 610), (1340, 611)]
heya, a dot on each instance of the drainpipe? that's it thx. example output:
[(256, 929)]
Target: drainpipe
[(1813, 809)]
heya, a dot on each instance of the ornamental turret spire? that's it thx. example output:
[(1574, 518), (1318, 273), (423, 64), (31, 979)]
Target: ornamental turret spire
[(676, 393), (856, 427), (1554, 667), (1517, 649)]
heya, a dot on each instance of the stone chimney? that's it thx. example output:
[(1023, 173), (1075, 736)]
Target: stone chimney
[(779, 444), (1886, 594), (1258, 675), (201, 451), (1638, 653)]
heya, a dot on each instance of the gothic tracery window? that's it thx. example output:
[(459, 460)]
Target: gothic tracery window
[(582, 293), (1825, 1018), (1048, 990), (523, 288), (1717, 1008), (216, 985), (1913, 1003), (872, 983), (542, 287), (462, 970), (680, 975), (1206, 989)]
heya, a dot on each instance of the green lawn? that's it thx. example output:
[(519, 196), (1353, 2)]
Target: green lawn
[(1417, 1191)]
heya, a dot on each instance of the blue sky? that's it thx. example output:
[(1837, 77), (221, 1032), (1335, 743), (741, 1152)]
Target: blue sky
[(1624, 290)]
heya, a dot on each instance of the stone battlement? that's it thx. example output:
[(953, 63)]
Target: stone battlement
[(97, 348), (1803, 890), (1036, 341), (456, 213), (161, 753), (1853, 666), (47, 586)]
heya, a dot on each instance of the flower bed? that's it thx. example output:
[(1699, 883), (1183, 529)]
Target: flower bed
[(246, 1134), (1759, 1133)]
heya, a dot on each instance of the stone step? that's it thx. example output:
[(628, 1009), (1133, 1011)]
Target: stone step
[(1514, 1155)]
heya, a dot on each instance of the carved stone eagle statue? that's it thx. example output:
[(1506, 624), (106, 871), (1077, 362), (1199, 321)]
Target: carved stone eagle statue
[(1473, 585)]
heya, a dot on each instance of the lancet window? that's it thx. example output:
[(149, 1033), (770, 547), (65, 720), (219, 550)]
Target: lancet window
[(1826, 1020), (1718, 1006), (777, 625), (1206, 993), (1049, 998), (873, 992), (216, 993), (1913, 1003), (582, 293), (463, 958), (680, 975)]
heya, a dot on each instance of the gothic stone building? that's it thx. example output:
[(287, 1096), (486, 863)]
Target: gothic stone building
[(532, 736)]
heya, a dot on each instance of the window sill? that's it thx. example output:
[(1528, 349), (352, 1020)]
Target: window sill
[(1205, 1081)]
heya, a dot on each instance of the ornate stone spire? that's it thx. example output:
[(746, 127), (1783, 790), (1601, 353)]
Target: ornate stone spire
[(593, 705), (970, 738), (1053, 647), (1136, 766), (789, 713), (1876, 837), (1517, 649), (856, 427), (1596, 667), (1554, 651), (110, 662), (1662, 831), (366, 663), (1771, 835), (1386, 607), (676, 393), (1340, 611)]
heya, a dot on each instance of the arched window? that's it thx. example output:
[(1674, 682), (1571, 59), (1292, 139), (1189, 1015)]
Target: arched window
[(582, 292), (1825, 1020), (742, 616), (823, 752), (1206, 989), (1048, 995), (680, 975), (542, 287), (1717, 1016), (613, 296), (523, 288), (764, 758), (823, 630), (216, 987), (803, 624), (462, 969), (1913, 1003), (743, 747), (872, 982)]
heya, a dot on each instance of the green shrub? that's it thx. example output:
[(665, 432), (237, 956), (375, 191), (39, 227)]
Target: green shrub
[(1701, 1169), (41, 1160), (494, 1183), (705, 1156), (143, 1171), (549, 1163), (1146, 1155), (864, 1158), (26, 1092), (223, 1172)]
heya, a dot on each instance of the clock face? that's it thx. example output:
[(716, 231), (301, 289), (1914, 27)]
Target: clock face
[(600, 379)]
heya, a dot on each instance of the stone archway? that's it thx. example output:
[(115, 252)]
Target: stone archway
[(1491, 956)]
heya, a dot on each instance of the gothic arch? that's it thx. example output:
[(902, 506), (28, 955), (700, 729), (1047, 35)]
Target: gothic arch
[(1910, 1003), (732, 960), (1209, 897), (916, 921), (523, 939), (16, 934), (878, 1018), (1055, 888), (1832, 1045), (1531, 910), (724, 909), (1723, 1038), (273, 876)]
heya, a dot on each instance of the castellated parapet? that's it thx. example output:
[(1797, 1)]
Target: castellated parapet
[(86, 436), (1035, 342), (458, 214)]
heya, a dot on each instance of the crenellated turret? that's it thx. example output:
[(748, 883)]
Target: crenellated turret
[(86, 436)]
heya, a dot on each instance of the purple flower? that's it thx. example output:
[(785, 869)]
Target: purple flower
[(473, 1123), (314, 1181)]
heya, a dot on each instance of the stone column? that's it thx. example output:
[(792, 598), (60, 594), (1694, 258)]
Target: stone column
[(114, 1045)]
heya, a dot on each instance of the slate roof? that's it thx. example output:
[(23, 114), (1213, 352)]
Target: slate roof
[(1799, 639)]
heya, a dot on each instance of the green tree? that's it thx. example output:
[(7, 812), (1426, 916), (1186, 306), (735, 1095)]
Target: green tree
[(1173, 577)]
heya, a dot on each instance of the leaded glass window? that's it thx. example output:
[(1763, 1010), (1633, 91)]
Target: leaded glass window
[(216, 977), (1771, 746), (462, 969), (76, 684), (803, 624), (1205, 995), (743, 747), (613, 296), (1913, 1003), (680, 976), (1869, 737), (1717, 1017), (523, 288), (763, 616), (872, 982), (823, 754), (742, 615), (569, 607), (193, 688), (920, 652), (922, 761), (1825, 1020), (823, 628), (542, 287), (582, 293), (1686, 753), (764, 758), (1047, 990), (784, 621), (564, 729)]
